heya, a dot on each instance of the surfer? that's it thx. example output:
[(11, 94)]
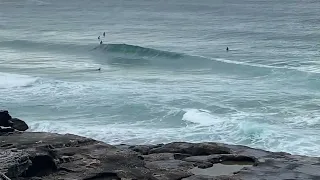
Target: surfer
[(99, 38), (104, 34), (99, 69), (227, 48), (100, 42)]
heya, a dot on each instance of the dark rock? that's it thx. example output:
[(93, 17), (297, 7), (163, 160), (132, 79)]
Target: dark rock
[(55, 156), (144, 149), (208, 158), (14, 163), (203, 165), (48, 156), (194, 149), (180, 156), (221, 158), (170, 169), (247, 151), (159, 157), (19, 125), (203, 177), (41, 165), (5, 130), (5, 118), (104, 176)]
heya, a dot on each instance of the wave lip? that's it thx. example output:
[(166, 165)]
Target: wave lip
[(15, 80)]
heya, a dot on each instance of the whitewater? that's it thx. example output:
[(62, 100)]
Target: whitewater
[(165, 72)]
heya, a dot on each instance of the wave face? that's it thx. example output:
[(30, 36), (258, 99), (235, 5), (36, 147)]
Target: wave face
[(138, 56), (137, 51), (165, 74)]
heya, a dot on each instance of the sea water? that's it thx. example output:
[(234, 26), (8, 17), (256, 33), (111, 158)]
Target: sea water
[(165, 72)]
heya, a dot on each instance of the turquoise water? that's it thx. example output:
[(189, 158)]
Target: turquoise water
[(166, 75)]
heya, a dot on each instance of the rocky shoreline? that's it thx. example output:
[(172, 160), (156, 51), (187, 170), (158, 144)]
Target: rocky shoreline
[(50, 156)]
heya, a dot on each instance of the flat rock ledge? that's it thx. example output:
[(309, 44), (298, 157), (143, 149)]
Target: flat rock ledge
[(49, 156)]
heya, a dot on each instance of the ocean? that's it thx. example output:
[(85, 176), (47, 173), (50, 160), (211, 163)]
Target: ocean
[(165, 73)]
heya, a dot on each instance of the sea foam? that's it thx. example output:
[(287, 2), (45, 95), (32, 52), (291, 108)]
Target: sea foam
[(8, 80)]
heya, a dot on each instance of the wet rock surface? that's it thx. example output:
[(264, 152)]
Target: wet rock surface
[(19, 124), (53, 156), (5, 118), (9, 124), (49, 156), (36, 155)]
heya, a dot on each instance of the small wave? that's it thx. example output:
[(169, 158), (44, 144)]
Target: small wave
[(309, 68), (304, 120), (243, 63), (249, 132), (201, 117), (15, 80), (136, 50)]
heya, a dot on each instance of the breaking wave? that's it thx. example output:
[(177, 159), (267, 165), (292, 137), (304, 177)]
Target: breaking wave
[(15, 80)]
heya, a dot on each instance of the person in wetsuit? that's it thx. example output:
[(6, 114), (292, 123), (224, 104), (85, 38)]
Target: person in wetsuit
[(104, 34)]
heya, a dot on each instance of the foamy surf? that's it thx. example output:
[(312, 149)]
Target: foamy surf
[(252, 134), (8, 80), (200, 117)]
